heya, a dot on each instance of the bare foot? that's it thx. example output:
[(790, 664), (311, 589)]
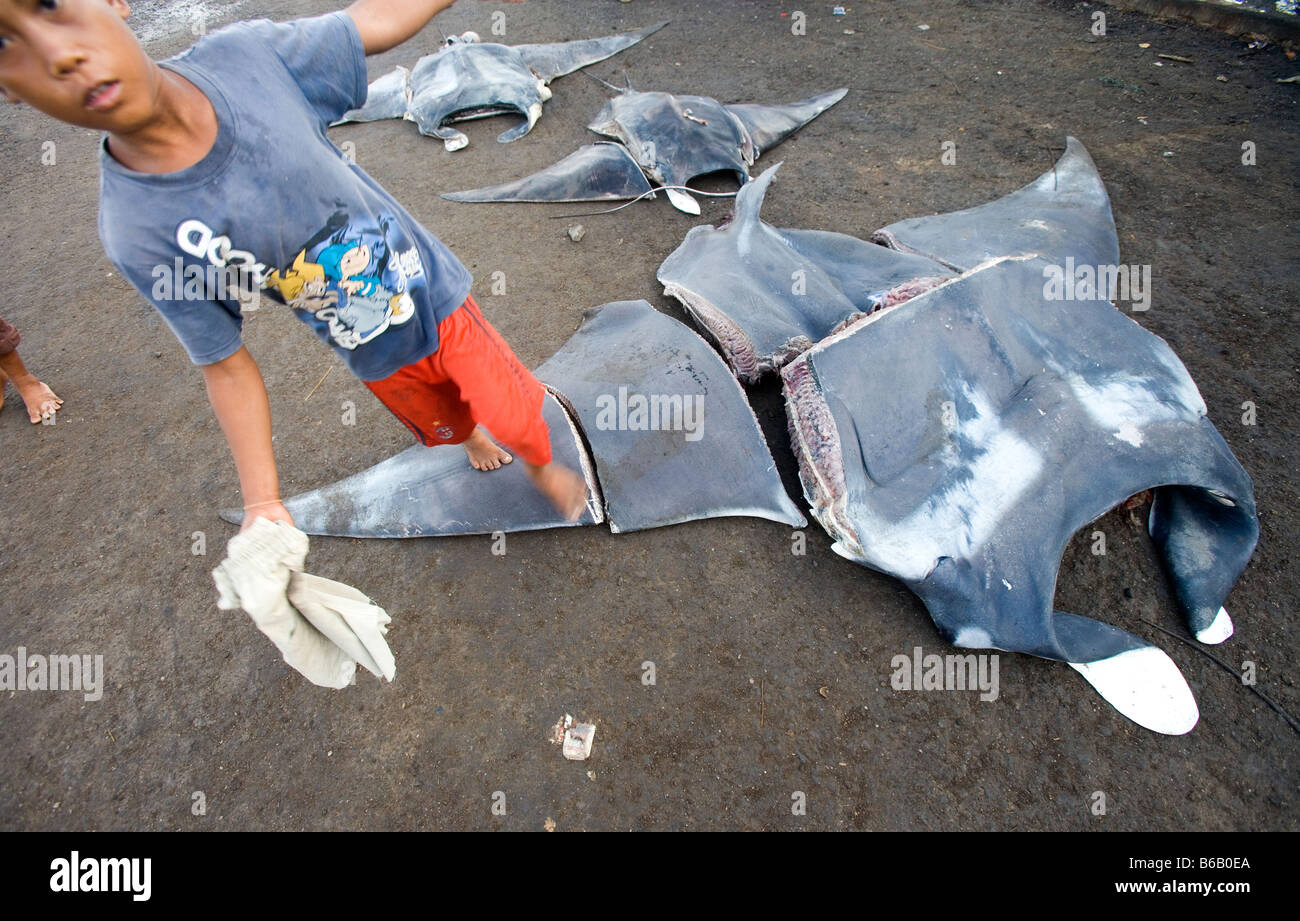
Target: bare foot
[(484, 453), (566, 490), (42, 403)]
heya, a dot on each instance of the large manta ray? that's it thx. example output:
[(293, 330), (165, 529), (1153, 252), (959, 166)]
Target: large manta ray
[(1018, 420), (955, 430), (671, 138), (672, 438), (466, 79)]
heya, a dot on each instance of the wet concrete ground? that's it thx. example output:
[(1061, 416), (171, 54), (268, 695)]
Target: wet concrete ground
[(772, 670)]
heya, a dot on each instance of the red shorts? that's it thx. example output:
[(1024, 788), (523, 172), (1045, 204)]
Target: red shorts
[(473, 378)]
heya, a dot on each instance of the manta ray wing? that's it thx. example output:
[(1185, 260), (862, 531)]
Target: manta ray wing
[(553, 60), (768, 126), (670, 429), (388, 97), (595, 172), (1063, 213), (433, 492)]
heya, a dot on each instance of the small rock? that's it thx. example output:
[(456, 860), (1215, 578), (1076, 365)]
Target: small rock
[(577, 232)]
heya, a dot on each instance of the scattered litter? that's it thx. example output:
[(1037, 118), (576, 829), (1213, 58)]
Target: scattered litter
[(318, 383), (1158, 63), (1175, 57), (824, 691), (923, 28), (1221, 78), (838, 11), (591, 775), (1167, 153), (850, 32), (1143, 118), (557, 731), (577, 232), (1295, 79), (549, 824), (1144, 44), (577, 741), (576, 738)]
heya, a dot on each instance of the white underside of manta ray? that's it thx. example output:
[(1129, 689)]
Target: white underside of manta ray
[(467, 79), (669, 138)]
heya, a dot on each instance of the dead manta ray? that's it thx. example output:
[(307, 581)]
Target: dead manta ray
[(467, 79), (957, 441), (670, 138)]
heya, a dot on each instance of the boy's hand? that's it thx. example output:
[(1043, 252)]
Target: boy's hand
[(385, 24), (273, 512)]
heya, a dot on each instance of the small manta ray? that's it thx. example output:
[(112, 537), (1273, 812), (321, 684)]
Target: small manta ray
[(671, 138), (467, 79)]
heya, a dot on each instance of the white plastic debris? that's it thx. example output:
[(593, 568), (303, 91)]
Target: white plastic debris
[(577, 741), (577, 232)]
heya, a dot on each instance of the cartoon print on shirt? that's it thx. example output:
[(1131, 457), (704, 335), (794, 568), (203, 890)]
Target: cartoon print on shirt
[(354, 278), (304, 286)]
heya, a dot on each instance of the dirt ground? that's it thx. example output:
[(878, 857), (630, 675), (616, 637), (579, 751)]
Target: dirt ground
[(772, 670)]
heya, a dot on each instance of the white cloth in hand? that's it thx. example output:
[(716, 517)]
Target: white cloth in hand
[(334, 627)]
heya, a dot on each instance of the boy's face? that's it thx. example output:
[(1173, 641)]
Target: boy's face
[(78, 61), (354, 262)]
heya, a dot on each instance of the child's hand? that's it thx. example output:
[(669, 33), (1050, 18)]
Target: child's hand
[(272, 512)]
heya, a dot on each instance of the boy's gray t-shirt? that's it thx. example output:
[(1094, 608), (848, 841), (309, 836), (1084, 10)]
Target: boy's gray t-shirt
[(277, 201)]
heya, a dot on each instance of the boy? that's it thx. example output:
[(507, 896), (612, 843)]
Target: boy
[(216, 161), (41, 402)]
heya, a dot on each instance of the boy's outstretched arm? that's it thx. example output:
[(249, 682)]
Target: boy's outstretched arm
[(238, 397), (385, 24)]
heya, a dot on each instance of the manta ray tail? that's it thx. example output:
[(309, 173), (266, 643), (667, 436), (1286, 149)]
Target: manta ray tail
[(595, 172), (770, 125), (558, 58)]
